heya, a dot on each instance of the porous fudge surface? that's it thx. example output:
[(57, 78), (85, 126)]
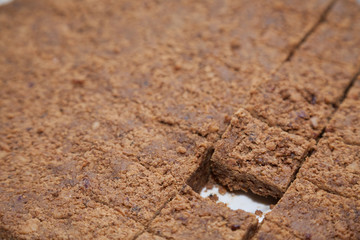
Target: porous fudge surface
[(253, 156), (110, 109), (189, 216), (309, 212)]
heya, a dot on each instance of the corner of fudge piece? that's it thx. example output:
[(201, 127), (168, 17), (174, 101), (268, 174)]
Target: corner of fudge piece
[(312, 213), (271, 231), (254, 156), (281, 102), (189, 216), (334, 166)]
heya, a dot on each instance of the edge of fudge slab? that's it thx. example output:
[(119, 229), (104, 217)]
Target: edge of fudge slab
[(254, 156), (189, 216)]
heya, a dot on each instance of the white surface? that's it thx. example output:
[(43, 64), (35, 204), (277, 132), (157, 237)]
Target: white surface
[(240, 200), (4, 1)]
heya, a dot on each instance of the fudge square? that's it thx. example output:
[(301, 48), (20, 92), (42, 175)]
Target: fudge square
[(253, 156)]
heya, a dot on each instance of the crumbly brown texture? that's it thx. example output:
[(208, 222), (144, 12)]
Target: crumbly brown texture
[(253, 156), (109, 108), (296, 108), (149, 236), (335, 167), (189, 216), (270, 231), (309, 212), (346, 121)]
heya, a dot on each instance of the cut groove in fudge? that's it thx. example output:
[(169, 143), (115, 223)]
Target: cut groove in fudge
[(346, 121), (312, 213), (201, 176), (189, 216), (253, 156)]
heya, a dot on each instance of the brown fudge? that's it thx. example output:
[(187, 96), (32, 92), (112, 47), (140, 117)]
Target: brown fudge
[(169, 151), (33, 205), (197, 84), (271, 231), (335, 44), (345, 14), (190, 216), (282, 103), (312, 213), (346, 121), (324, 80), (335, 167), (199, 97), (299, 97), (253, 156)]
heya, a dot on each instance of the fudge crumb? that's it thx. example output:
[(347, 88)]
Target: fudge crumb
[(258, 213), (95, 125), (78, 82), (314, 122), (272, 206), (181, 150), (209, 185), (235, 227), (213, 197), (222, 190)]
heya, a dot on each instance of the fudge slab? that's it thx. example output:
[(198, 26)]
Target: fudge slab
[(280, 102), (335, 167), (190, 216), (113, 180), (325, 80), (312, 213), (254, 156)]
